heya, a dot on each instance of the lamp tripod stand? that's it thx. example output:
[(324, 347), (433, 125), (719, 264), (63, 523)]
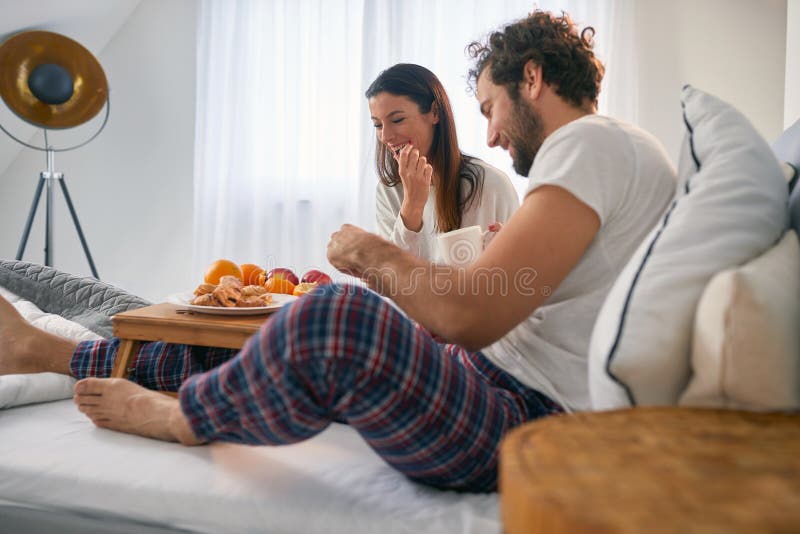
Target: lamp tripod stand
[(46, 180), (51, 82)]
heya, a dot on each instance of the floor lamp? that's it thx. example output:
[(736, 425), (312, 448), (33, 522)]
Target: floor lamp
[(53, 83)]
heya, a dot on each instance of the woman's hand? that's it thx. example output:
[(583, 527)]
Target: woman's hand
[(491, 231), (416, 175)]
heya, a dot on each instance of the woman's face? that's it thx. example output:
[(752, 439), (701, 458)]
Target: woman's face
[(398, 122)]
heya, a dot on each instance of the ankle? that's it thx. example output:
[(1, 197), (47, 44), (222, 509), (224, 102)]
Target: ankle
[(41, 351), (180, 428)]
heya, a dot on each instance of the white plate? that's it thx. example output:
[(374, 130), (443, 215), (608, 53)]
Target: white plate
[(278, 300)]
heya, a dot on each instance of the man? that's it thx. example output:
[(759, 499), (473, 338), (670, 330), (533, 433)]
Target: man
[(436, 412)]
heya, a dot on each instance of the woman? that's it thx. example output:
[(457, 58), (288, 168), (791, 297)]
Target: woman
[(428, 185)]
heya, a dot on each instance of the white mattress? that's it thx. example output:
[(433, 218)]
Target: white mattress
[(52, 459)]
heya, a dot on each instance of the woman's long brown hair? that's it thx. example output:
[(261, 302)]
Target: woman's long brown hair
[(460, 180)]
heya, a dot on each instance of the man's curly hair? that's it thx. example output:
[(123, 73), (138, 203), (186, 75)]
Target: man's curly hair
[(553, 42)]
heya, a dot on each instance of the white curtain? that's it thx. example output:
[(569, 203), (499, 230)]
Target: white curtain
[(284, 150)]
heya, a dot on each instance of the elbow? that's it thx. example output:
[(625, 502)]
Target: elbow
[(473, 346), (470, 330)]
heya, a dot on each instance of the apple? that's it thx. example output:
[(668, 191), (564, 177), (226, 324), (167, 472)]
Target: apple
[(315, 275), (283, 272)]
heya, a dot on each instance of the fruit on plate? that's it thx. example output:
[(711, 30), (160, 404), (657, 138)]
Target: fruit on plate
[(303, 288), (315, 275), (283, 272), (250, 272), (279, 285), (221, 268)]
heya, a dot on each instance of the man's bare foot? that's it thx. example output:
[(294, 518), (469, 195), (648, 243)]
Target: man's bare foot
[(124, 406), (26, 349)]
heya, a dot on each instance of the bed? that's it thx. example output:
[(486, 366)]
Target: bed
[(60, 473)]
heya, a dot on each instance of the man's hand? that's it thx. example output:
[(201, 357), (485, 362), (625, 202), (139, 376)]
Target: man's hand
[(349, 247)]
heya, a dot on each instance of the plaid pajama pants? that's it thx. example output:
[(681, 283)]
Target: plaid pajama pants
[(435, 412)]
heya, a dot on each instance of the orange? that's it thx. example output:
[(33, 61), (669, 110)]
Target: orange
[(304, 287), (221, 268), (279, 285), (250, 272)]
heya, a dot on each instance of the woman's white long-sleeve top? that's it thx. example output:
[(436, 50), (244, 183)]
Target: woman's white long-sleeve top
[(497, 202)]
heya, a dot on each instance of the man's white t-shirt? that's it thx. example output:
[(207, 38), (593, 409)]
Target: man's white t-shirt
[(498, 200), (625, 176)]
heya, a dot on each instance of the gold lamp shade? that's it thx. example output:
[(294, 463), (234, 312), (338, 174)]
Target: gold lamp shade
[(22, 53)]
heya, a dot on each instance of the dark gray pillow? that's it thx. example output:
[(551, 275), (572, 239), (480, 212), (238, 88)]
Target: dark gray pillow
[(794, 206), (87, 301), (787, 148)]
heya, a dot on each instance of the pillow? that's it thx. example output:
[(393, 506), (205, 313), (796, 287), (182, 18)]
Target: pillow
[(86, 301), (794, 205), (787, 146), (790, 173), (746, 342), (731, 206)]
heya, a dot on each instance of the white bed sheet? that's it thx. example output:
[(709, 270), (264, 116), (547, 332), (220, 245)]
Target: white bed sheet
[(51, 456)]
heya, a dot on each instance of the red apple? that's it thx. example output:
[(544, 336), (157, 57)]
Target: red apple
[(283, 272), (317, 276)]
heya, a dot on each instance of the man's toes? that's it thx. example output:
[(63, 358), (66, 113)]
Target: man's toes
[(87, 407), (100, 421), (90, 386)]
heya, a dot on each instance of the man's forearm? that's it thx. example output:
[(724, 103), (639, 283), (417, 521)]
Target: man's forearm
[(463, 305)]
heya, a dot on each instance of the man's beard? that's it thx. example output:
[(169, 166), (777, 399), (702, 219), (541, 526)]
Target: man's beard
[(525, 134)]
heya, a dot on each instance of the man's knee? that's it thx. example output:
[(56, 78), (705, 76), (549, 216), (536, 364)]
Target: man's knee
[(313, 315)]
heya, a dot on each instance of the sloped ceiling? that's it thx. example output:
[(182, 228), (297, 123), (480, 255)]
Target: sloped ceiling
[(90, 22)]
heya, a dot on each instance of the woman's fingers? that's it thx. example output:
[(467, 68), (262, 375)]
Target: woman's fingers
[(413, 160), (427, 173), (421, 162)]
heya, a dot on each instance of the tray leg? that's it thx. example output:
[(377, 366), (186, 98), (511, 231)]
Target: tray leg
[(127, 348)]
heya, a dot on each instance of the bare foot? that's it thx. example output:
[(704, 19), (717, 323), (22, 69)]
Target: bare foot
[(124, 406), (26, 349)]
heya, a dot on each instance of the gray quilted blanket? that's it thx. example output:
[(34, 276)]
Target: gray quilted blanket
[(86, 301)]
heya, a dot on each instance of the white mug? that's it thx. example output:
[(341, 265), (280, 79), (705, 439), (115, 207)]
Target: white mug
[(461, 247)]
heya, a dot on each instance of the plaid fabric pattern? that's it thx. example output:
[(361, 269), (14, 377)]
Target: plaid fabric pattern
[(434, 412), (157, 365)]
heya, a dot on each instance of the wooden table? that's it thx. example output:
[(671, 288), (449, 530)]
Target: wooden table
[(653, 470), (174, 324)]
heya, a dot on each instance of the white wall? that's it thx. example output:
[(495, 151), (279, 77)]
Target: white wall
[(791, 108), (734, 49), (132, 186)]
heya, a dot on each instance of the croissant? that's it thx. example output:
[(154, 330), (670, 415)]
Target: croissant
[(255, 301), (227, 296), (230, 281), (205, 300), (204, 289), (253, 291)]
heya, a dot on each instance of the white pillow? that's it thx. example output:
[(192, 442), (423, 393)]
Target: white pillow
[(731, 206), (746, 342)]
